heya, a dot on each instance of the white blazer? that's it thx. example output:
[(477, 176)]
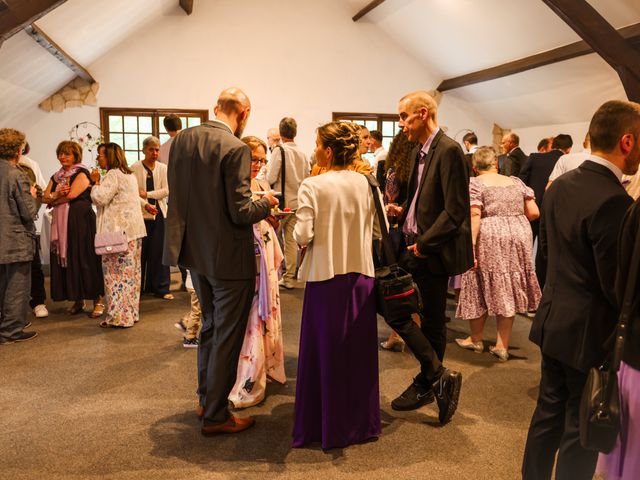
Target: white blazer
[(160, 184), (336, 218)]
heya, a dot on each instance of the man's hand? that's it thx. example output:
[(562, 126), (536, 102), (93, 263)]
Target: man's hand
[(151, 209), (273, 201), (143, 193), (414, 249)]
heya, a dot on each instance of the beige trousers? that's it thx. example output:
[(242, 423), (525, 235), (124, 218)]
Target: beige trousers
[(287, 225), (192, 320)]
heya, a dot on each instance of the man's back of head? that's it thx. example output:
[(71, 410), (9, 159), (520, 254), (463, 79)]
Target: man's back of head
[(376, 139), (172, 124), (288, 129), (233, 107), (562, 142)]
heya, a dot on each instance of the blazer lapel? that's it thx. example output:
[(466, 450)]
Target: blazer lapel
[(427, 160)]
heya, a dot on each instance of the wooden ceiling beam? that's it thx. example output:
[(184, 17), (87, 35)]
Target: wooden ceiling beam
[(18, 14), (631, 33), (54, 49), (187, 6), (367, 8), (604, 39)]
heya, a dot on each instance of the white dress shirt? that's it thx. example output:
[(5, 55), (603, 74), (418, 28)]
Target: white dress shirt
[(296, 170), (160, 185), (165, 148), (336, 218), (568, 162)]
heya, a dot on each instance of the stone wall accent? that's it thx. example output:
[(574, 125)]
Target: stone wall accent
[(76, 93), (498, 133)]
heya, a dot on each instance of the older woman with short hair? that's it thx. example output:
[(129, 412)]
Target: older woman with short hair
[(337, 393), (76, 270), (118, 202), (503, 280)]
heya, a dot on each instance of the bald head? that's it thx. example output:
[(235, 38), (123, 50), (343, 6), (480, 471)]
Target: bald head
[(421, 99), (232, 100)]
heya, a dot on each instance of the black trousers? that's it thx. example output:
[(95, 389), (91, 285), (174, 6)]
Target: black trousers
[(156, 277), (15, 283), (38, 294), (428, 342), (225, 308), (541, 262), (554, 427)]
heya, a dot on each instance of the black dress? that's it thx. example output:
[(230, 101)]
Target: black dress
[(82, 277)]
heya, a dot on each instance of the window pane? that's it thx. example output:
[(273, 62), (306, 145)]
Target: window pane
[(115, 123), (386, 143), (184, 122), (359, 122), (144, 125), (193, 121), (161, 128), (130, 124), (371, 125), (132, 157), (141, 138), (118, 138), (164, 137), (388, 129), (131, 141)]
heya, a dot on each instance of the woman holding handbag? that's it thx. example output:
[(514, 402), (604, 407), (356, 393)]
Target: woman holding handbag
[(119, 215), (337, 393)]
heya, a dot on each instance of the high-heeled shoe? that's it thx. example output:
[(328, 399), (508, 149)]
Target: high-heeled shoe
[(395, 345), (501, 353), (75, 309), (469, 344)]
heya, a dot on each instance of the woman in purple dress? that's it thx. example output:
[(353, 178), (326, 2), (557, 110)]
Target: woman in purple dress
[(503, 280), (337, 394)]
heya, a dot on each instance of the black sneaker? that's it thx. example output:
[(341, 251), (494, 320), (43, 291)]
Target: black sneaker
[(413, 397), (190, 343), (447, 391), (20, 337)]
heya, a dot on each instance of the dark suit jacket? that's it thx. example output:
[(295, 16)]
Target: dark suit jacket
[(442, 208), (581, 217), (536, 170), (210, 217), (17, 214), (514, 162)]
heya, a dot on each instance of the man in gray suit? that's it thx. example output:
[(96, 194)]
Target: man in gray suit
[(17, 239), (209, 231)]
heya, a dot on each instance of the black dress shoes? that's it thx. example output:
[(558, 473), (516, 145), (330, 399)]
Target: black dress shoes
[(447, 392), (413, 397), (20, 337)]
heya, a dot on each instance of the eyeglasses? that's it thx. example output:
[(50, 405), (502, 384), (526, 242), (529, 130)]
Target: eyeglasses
[(259, 161)]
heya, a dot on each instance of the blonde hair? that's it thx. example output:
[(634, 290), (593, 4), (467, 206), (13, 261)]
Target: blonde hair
[(254, 142), (344, 140)]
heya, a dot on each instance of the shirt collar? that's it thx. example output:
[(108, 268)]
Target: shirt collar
[(606, 163), (223, 123), (427, 145)]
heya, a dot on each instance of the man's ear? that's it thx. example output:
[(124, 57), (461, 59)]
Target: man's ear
[(626, 143)]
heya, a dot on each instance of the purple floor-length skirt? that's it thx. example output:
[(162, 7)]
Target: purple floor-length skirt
[(623, 463), (337, 392)]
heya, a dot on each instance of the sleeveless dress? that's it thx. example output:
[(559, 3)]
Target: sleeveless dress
[(82, 277)]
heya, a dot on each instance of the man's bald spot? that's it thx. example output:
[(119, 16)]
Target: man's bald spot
[(420, 99), (233, 100)]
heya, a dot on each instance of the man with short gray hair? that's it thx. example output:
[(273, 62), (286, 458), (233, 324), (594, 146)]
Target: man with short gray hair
[(296, 169), (154, 190)]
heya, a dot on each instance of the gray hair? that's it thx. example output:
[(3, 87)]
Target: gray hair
[(150, 141), (484, 159)]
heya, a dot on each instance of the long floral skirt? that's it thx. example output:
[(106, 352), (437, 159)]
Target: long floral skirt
[(122, 277)]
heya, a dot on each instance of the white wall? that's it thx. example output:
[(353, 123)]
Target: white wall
[(529, 137), (293, 58)]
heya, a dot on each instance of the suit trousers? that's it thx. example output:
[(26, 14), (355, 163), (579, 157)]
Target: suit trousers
[(38, 294), (15, 284), (225, 306), (156, 277), (554, 427), (427, 342), (287, 225), (541, 262)]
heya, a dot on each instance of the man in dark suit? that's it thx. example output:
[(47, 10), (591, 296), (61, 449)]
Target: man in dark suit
[(535, 174), (581, 216), (209, 232), (436, 225), (515, 156)]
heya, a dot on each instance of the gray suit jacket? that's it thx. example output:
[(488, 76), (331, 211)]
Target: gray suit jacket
[(17, 214), (210, 217)]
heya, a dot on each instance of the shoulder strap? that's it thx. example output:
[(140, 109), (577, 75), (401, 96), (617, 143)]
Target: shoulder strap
[(389, 256), (629, 293), (283, 172)]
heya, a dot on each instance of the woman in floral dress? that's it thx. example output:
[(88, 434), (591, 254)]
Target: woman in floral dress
[(503, 281), (262, 354), (116, 197)]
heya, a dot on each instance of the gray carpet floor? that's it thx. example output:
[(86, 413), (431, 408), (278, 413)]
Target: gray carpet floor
[(82, 402)]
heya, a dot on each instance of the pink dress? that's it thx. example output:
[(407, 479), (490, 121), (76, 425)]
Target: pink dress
[(262, 353), (505, 282)]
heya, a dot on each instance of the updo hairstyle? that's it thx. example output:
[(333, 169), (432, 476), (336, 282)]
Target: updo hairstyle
[(344, 140)]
